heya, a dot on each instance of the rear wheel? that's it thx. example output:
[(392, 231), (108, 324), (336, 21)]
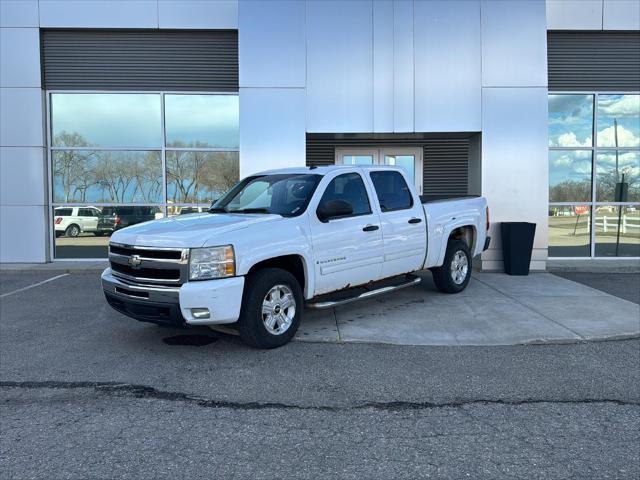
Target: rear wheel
[(271, 308), (72, 231), (454, 274)]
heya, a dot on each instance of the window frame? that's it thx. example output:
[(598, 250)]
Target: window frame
[(353, 215), (594, 149), (163, 205)]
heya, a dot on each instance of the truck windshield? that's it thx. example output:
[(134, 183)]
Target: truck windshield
[(283, 194)]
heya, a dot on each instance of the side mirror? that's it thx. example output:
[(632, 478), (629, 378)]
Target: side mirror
[(332, 209)]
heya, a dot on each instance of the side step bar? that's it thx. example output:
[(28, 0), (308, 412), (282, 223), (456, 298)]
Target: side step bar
[(409, 282)]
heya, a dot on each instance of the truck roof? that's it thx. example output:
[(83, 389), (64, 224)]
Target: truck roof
[(326, 169)]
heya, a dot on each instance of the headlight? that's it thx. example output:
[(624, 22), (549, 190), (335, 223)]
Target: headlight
[(212, 262)]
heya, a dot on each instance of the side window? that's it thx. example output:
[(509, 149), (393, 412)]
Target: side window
[(63, 212), (349, 187), (393, 192), (85, 212)]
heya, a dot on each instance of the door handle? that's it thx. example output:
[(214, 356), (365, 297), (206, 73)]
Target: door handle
[(415, 220), (370, 228)]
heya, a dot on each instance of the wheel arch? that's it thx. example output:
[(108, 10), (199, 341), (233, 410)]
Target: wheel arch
[(463, 231), (292, 263)]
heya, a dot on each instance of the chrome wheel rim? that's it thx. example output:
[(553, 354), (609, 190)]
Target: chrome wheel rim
[(459, 267), (278, 309)]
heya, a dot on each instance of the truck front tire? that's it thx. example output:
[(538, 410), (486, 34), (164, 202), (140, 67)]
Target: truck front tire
[(271, 308), (454, 274)]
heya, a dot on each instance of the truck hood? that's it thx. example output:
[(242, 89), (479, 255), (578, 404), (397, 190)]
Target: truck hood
[(189, 231)]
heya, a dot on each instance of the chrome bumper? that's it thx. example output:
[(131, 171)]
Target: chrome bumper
[(147, 303)]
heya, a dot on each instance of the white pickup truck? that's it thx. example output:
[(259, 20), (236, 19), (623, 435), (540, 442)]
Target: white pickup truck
[(285, 239)]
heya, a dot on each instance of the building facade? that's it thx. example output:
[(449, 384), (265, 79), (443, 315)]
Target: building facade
[(115, 112)]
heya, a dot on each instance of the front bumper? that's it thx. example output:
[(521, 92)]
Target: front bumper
[(172, 305)]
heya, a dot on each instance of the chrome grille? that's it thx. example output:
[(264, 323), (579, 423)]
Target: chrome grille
[(149, 265)]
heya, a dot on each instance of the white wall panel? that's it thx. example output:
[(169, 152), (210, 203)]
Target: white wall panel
[(447, 83), (514, 43), (99, 14), (574, 14), (272, 133), (27, 243), (514, 167), (403, 66), (272, 43), (383, 66), (18, 13), (22, 176), (221, 14), (21, 117), (19, 57), (621, 15), (340, 66)]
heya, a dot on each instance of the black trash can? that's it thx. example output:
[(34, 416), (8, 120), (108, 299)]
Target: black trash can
[(517, 243)]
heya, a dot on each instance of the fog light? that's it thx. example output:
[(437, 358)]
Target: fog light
[(200, 313)]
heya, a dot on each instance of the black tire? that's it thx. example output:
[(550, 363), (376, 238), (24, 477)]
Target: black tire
[(72, 230), (443, 276), (252, 327)]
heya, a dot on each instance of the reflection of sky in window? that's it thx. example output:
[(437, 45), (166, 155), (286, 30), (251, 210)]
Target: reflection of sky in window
[(108, 120), (626, 110), (202, 120), (569, 166), (570, 120)]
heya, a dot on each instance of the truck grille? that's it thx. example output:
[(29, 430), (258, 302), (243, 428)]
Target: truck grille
[(149, 266)]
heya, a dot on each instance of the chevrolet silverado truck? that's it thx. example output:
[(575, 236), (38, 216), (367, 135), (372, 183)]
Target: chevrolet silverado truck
[(283, 240)]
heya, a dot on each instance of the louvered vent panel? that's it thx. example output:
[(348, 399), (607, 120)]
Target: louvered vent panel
[(446, 167), (595, 61), (140, 60)]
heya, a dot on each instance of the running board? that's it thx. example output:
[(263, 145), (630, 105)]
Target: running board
[(409, 282)]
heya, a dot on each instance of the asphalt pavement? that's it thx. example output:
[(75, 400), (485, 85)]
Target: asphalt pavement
[(88, 393)]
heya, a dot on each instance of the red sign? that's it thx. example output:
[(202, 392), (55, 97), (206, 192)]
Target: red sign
[(581, 209)]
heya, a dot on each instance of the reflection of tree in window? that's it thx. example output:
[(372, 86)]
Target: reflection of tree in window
[(195, 177), (104, 176)]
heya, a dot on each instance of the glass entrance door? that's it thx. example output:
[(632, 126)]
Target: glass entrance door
[(408, 158)]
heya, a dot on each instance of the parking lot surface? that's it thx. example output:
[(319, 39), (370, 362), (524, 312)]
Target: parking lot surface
[(88, 393)]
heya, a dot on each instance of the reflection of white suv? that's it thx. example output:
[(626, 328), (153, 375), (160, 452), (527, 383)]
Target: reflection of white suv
[(71, 221)]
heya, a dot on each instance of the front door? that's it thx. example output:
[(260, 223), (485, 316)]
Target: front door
[(409, 158), (348, 250)]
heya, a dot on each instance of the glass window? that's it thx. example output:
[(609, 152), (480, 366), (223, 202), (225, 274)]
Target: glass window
[(105, 120), (569, 175), (618, 176), (357, 160), (200, 177), (199, 121), (570, 120), (619, 120), (106, 176), (392, 191), (349, 187), (569, 231), (617, 231), (85, 233), (405, 161)]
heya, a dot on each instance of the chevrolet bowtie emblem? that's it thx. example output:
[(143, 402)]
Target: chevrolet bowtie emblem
[(135, 261)]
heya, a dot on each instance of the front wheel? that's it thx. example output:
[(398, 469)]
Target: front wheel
[(271, 308), (454, 274)]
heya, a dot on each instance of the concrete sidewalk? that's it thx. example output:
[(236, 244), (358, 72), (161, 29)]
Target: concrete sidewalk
[(496, 309)]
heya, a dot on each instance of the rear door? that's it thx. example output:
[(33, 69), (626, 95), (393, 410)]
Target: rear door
[(348, 250), (88, 219), (403, 223)]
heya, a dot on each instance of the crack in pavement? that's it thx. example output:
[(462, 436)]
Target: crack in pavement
[(147, 392)]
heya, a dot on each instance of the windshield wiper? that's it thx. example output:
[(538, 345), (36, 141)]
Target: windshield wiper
[(217, 210), (250, 210)]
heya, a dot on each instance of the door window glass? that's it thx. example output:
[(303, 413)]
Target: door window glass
[(393, 192), (349, 187)]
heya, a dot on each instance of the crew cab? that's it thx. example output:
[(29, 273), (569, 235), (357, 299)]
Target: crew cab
[(282, 240)]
